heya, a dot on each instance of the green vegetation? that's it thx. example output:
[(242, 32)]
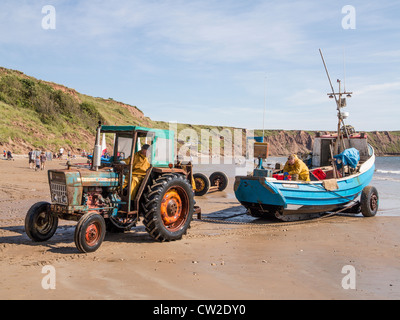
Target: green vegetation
[(45, 115), (49, 104)]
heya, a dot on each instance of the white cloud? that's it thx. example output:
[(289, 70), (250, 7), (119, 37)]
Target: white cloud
[(307, 97), (380, 88)]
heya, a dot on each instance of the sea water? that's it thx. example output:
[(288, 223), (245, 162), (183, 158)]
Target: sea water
[(386, 179)]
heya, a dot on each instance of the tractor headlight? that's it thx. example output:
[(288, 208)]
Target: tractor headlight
[(54, 197), (64, 199)]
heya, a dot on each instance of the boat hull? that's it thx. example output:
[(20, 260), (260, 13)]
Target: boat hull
[(268, 195)]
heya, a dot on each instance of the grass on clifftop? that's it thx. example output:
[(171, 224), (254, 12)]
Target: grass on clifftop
[(46, 116)]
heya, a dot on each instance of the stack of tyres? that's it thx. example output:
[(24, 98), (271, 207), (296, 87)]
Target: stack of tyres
[(218, 181)]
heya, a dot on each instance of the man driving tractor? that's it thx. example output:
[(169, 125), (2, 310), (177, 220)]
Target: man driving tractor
[(139, 168)]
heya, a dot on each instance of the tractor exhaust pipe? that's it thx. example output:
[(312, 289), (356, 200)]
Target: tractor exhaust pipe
[(96, 161)]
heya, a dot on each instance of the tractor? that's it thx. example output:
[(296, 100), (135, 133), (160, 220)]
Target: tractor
[(96, 197)]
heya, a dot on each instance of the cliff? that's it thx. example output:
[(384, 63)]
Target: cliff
[(45, 116), (284, 142), (385, 142)]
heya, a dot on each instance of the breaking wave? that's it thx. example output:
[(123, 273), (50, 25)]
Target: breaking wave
[(381, 178), (388, 171)]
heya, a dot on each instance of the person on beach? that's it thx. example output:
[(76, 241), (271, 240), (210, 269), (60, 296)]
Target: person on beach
[(37, 162), (43, 159), (9, 155), (31, 156), (295, 166), (139, 168)]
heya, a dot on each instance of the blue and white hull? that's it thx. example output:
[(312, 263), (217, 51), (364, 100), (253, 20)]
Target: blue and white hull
[(285, 198)]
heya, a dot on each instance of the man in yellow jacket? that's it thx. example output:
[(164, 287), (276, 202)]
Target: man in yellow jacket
[(296, 166), (139, 168)]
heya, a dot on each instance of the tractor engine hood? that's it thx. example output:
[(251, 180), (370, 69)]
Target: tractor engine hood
[(101, 178), (66, 186)]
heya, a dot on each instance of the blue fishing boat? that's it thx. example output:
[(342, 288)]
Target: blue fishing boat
[(264, 194), (341, 167)]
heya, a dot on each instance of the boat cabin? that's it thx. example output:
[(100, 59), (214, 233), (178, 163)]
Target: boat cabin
[(326, 146), (322, 153)]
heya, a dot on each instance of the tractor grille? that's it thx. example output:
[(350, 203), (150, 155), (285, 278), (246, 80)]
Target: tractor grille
[(58, 193)]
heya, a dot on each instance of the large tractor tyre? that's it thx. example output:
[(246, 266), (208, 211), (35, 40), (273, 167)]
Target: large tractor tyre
[(90, 232), (168, 207), (219, 179), (369, 201), (40, 223), (202, 184)]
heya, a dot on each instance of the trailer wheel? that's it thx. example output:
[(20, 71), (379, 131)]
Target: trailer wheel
[(369, 201), (219, 179), (168, 207), (90, 232), (40, 224), (202, 184)]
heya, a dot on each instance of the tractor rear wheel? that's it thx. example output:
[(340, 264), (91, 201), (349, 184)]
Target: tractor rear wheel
[(40, 224), (168, 207)]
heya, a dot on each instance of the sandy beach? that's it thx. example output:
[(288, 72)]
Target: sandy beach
[(259, 260)]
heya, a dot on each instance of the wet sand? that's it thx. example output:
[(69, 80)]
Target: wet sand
[(260, 259)]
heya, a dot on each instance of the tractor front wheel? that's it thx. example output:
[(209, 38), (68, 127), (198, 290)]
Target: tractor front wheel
[(168, 207), (40, 223), (90, 232)]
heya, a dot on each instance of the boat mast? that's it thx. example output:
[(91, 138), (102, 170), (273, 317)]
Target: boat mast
[(340, 103)]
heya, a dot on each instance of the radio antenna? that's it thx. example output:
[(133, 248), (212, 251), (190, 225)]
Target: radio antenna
[(265, 104), (344, 68)]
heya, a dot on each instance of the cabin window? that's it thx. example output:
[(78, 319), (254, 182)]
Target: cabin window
[(164, 151), (124, 147), (325, 153)]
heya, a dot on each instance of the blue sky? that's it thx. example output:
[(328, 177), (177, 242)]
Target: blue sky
[(206, 62)]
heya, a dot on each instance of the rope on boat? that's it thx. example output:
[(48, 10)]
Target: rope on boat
[(331, 191)]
